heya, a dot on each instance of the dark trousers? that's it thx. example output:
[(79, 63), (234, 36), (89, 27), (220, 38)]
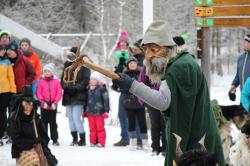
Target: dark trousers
[(49, 117), (139, 115), (4, 102), (157, 130)]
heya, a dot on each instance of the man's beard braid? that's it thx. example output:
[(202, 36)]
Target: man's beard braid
[(156, 68)]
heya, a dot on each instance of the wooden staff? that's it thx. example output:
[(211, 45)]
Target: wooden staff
[(87, 63)]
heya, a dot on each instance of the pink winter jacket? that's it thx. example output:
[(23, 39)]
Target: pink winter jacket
[(49, 91)]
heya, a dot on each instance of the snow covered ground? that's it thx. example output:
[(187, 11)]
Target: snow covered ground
[(91, 156), (110, 155)]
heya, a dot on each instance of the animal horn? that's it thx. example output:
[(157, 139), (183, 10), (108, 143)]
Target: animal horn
[(174, 163), (178, 148), (202, 143)]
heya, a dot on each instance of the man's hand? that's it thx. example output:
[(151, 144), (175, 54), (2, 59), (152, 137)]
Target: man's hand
[(125, 82), (232, 89)]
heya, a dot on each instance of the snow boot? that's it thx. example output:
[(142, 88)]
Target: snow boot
[(75, 138), (145, 145), (82, 141), (9, 141), (133, 144), (122, 142), (1, 142)]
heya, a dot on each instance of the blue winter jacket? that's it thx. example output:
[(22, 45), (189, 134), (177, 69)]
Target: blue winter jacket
[(98, 101), (245, 95), (243, 70)]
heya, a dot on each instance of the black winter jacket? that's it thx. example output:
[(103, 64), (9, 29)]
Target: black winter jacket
[(131, 101), (23, 134), (98, 101), (76, 94)]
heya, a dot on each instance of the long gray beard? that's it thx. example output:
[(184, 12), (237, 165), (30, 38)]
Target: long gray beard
[(156, 68)]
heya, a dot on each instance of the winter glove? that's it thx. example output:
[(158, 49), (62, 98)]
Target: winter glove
[(44, 105), (37, 141), (105, 115), (53, 106), (232, 95), (125, 82), (84, 115), (115, 88)]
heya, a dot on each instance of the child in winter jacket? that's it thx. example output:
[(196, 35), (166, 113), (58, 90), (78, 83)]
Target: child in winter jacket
[(97, 109), (49, 93)]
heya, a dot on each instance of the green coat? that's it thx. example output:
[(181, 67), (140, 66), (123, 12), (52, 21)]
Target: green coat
[(119, 54), (189, 114)]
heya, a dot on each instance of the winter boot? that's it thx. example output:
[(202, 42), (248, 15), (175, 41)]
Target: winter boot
[(9, 141), (75, 138), (133, 144), (1, 142), (82, 141), (122, 142), (145, 145), (139, 144)]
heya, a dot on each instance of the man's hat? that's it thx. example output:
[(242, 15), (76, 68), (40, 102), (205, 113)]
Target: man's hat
[(247, 38), (159, 33), (12, 46)]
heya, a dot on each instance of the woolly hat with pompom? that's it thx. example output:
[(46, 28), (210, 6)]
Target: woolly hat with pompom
[(99, 77)]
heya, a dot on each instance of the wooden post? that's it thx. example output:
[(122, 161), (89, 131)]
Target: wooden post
[(205, 58)]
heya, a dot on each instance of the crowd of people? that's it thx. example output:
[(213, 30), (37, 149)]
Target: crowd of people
[(158, 76)]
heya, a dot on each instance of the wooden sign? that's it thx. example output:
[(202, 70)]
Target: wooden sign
[(222, 11), (222, 22), (220, 2)]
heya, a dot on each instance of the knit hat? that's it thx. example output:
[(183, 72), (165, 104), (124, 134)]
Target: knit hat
[(180, 40), (70, 56), (247, 38), (99, 77), (138, 43), (50, 67), (123, 36), (12, 46), (73, 49), (130, 59), (159, 33), (246, 128), (4, 32), (26, 40)]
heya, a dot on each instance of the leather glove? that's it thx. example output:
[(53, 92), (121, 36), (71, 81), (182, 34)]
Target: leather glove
[(53, 106), (125, 82), (105, 115)]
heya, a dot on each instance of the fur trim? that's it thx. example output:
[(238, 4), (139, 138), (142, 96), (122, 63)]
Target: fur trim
[(239, 153), (226, 140)]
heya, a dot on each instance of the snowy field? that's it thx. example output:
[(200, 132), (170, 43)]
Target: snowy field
[(91, 156), (110, 155)]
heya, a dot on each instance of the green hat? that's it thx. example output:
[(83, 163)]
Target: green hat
[(4, 32), (159, 33)]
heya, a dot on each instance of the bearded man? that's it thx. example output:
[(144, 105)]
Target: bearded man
[(183, 97)]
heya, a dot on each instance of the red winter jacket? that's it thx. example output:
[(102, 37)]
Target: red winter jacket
[(24, 72)]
